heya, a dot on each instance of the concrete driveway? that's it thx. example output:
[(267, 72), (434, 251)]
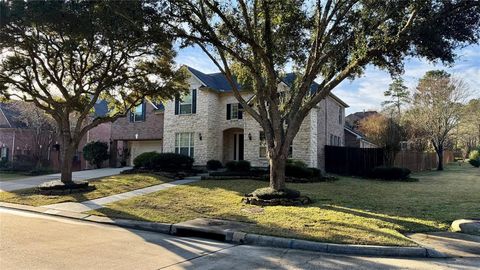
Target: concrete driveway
[(35, 241), (33, 181)]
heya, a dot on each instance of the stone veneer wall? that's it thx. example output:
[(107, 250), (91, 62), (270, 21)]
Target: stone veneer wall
[(210, 121), (327, 123)]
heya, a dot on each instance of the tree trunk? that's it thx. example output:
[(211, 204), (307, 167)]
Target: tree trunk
[(277, 171), (440, 158), (66, 158)]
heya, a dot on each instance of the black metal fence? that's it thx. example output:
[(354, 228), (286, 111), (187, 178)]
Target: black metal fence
[(352, 160)]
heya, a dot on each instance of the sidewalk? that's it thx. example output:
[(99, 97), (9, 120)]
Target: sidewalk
[(100, 202), (30, 182)]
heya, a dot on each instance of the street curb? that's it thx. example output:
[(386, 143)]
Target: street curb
[(237, 237)]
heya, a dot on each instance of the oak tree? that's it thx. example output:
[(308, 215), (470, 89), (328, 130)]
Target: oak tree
[(65, 56), (257, 41)]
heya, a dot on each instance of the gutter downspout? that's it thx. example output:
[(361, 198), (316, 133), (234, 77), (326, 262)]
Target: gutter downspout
[(13, 145)]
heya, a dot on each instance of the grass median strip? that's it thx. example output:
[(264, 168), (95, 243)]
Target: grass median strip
[(105, 186), (353, 211)]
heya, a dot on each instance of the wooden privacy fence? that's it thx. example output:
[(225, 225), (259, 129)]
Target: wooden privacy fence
[(420, 161), (352, 160), (360, 161)]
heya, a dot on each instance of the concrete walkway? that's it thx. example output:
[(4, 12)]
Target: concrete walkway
[(100, 202), (30, 182)]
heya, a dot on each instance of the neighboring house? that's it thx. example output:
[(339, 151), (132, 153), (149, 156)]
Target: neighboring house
[(352, 120), (209, 123), (17, 139), (141, 131), (357, 139)]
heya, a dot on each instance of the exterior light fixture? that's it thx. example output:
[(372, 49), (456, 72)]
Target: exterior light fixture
[(250, 136), (200, 136)]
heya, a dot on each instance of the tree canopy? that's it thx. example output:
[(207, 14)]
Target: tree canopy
[(65, 56), (329, 41)]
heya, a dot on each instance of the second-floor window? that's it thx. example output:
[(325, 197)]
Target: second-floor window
[(138, 113), (234, 111), (187, 103)]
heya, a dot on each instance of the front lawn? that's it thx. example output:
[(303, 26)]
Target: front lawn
[(104, 187), (354, 211)]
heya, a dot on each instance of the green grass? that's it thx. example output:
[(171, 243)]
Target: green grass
[(104, 187), (354, 211), (10, 176)]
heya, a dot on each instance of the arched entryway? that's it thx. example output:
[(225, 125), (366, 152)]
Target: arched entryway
[(233, 144)]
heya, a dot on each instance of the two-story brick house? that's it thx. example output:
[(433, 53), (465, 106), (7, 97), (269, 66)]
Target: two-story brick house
[(209, 123)]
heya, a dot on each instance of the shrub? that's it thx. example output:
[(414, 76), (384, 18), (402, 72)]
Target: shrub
[(4, 163), (269, 193), (297, 163), (95, 153), (238, 166), (231, 166), (144, 160), (390, 173), (172, 162), (474, 158), (214, 164), (163, 161), (22, 163), (243, 165)]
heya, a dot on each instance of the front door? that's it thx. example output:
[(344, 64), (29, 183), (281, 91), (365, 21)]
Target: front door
[(238, 146)]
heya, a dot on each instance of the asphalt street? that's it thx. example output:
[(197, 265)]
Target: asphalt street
[(36, 241)]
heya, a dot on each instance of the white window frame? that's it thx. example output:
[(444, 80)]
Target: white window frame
[(181, 103), (135, 113), (234, 111), (191, 143)]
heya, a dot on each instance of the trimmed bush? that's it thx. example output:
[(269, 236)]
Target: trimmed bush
[(269, 193), (163, 161), (243, 165), (390, 173), (96, 153), (297, 163), (214, 164), (144, 160), (238, 166), (474, 158)]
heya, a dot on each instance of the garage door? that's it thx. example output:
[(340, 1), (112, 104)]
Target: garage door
[(138, 147)]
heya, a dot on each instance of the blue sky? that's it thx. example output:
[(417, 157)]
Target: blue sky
[(366, 92)]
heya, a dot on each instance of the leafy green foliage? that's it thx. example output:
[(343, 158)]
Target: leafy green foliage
[(270, 193), (96, 153), (474, 158), (65, 56), (238, 166), (214, 165), (163, 161), (257, 41)]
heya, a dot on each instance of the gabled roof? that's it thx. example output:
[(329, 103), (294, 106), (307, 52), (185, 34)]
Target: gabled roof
[(218, 81), (10, 113), (358, 134)]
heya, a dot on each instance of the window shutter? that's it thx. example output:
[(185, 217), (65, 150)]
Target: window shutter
[(194, 101), (144, 110), (177, 105), (240, 111), (131, 115), (229, 109)]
